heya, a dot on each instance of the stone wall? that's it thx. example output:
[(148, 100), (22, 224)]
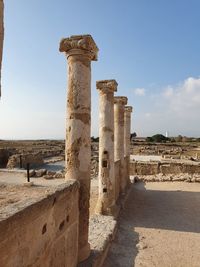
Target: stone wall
[(44, 233), (33, 159), (153, 168), (4, 156)]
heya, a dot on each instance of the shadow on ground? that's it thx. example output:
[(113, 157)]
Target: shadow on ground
[(176, 210)]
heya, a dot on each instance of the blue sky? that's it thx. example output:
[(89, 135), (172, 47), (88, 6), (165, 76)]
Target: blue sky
[(150, 47)]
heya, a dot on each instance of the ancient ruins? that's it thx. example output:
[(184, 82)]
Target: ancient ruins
[(68, 229), (58, 218)]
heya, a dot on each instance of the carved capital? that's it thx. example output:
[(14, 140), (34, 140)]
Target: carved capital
[(75, 43), (122, 100), (128, 109), (107, 86)]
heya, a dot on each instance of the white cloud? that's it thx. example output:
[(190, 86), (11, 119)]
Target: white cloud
[(147, 115), (140, 91), (175, 109), (168, 92), (184, 98)]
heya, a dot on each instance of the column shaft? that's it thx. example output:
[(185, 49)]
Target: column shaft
[(80, 50), (106, 200), (119, 103), (127, 132)]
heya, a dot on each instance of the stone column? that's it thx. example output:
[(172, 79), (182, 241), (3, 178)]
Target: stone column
[(79, 50), (1, 36), (119, 103), (106, 200), (127, 133), (127, 130)]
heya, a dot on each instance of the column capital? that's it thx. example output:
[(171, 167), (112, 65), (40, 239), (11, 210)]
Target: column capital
[(128, 109), (107, 86), (79, 45), (120, 100)]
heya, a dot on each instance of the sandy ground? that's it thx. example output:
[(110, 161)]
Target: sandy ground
[(93, 195), (159, 226), (14, 191), (19, 177)]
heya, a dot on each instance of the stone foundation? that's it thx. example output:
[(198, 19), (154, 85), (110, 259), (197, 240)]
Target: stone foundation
[(153, 168), (41, 230), (33, 159), (4, 156)]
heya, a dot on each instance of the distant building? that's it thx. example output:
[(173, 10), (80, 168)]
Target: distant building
[(166, 134)]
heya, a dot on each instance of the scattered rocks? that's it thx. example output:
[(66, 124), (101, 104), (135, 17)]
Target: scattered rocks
[(40, 173), (58, 175), (189, 178), (28, 184), (51, 173), (141, 246)]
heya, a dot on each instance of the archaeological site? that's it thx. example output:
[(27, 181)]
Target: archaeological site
[(118, 200)]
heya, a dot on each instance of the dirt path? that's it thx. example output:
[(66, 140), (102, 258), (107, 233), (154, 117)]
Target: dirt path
[(159, 226)]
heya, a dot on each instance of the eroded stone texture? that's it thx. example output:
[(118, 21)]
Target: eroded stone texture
[(1, 36), (40, 229), (127, 132), (80, 50), (119, 103), (106, 200)]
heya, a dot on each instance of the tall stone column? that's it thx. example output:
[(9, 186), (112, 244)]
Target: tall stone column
[(119, 103), (1, 36), (127, 133), (79, 50), (106, 200)]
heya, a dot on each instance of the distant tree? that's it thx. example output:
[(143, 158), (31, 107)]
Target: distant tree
[(179, 138), (157, 138), (133, 135), (186, 139), (149, 139)]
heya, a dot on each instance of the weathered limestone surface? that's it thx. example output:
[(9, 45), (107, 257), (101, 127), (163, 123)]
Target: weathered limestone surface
[(42, 231), (79, 50), (119, 103), (32, 159), (127, 129), (1, 36), (127, 133), (106, 200), (117, 179), (165, 168), (126, 171)]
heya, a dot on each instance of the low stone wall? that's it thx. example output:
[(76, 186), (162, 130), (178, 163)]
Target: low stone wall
[(153, 168), (43, 233), (33, 159), (4, 156)]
